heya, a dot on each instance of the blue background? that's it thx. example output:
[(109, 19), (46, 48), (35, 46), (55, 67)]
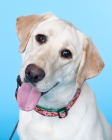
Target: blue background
[(93, 17)]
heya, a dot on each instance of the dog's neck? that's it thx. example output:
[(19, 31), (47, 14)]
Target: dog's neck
[(59, 97)]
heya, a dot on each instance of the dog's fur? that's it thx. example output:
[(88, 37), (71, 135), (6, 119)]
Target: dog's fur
[(84, 120)]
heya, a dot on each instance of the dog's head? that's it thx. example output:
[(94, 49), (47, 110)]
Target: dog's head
[(54, 52)]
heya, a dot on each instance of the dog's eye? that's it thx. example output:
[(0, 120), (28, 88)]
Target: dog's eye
[(41, 38), (66, 54)]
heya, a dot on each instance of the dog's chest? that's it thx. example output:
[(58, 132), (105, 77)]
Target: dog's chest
[(47, 128)]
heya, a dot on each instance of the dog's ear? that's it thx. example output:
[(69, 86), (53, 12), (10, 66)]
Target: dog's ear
[(25, 26), (91, 63)]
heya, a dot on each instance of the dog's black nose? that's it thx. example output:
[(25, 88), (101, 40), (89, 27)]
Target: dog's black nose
[(34, 73)]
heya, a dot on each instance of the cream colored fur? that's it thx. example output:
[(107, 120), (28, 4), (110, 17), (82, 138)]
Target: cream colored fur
[(84, 120)]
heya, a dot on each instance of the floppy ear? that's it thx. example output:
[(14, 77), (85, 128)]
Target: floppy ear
[(25, 26), (91, 63)]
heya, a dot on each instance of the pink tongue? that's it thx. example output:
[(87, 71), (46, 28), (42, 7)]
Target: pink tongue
[(28, 97)]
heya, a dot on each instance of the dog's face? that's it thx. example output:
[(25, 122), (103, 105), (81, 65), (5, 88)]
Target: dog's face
[(54, 52)]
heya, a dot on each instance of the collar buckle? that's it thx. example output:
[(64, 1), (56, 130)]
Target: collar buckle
[(62, 113)]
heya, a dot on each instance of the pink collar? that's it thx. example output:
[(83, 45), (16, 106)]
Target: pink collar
[(61, 113)]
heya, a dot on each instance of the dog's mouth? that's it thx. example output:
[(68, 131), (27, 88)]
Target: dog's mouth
[(50, 89), (28, 96), (42, 93)]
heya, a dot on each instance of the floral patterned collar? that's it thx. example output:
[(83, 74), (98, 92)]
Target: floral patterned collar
[(61, 113)]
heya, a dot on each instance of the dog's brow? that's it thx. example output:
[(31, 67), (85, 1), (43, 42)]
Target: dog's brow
[(51, 33), (66, 44)]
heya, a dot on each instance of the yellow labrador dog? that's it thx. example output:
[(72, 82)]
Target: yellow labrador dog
[(55, 101)]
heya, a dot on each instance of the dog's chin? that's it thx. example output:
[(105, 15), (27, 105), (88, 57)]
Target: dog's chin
[(43, 92)]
